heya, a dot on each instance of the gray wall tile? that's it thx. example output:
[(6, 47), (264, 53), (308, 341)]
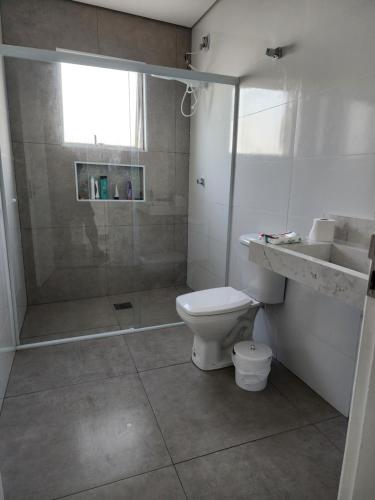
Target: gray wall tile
[(35, 101), (182, 123), (120, 245), (182, 183), (48, 24), (181, 273), (183, 44), (46, 188), (121, 279), (133, 37), (74, 248), (153, 241), (63, 263), (121, 214), (160, 176), (161, 114), (181, 239), (158, 275)]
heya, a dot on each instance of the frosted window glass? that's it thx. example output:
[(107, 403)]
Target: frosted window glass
[(101, 106)]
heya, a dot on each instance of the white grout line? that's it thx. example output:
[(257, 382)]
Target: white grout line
[(94, 336)]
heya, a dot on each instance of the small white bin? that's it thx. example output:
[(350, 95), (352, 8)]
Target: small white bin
[(252, 362)]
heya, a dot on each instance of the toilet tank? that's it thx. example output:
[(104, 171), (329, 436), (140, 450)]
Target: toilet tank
[(261, 284)]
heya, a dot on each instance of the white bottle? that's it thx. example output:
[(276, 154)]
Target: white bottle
[(92, 188), (97, 197)]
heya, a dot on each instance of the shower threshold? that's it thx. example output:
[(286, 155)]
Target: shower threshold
[(96, 317), (95, 336)]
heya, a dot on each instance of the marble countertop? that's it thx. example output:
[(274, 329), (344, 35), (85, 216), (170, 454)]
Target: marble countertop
[(315, 265)]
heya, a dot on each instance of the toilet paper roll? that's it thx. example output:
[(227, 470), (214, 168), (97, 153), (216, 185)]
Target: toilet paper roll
[(322, 230)]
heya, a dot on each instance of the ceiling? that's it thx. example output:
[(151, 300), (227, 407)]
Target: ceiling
[(182, 12)]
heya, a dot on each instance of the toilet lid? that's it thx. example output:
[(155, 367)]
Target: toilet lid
[(214, 301)]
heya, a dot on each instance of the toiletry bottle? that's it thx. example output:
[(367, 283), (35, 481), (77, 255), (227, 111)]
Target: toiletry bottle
[(92, 188), (116, 196), (103, 187), (129, 190), (97, 196)]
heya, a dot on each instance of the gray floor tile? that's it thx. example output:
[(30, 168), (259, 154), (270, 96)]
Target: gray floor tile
[(293, 465), (299, 394), (162, 484), (150, 307), (159, 306), (68, 317), (157, 348), (87, 316), (200, 412), (66, 335), (55, 443), (60, 365), (335, 430), (126, 317)]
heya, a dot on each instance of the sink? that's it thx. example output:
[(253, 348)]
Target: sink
[(341, 254), (354, 258), (335, 269)]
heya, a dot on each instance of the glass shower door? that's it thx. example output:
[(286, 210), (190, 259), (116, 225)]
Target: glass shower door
[(102, 168)]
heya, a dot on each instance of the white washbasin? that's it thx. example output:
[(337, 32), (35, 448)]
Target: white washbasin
[(335, 269), (341, 254)]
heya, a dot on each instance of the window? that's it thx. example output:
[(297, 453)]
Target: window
[(102, 106)]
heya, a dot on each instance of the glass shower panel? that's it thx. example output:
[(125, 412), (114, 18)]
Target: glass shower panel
[(209, 187), (103, 211)]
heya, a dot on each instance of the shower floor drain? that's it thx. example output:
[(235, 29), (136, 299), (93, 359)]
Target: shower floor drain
[(123, 305)]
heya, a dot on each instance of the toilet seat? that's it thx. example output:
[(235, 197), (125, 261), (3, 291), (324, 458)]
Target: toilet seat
[(214, 301)]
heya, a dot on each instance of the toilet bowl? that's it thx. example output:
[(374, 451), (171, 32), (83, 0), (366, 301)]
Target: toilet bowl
[(218, 317)]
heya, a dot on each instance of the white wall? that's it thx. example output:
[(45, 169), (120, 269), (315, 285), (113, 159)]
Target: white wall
[(10, 207), (306, 149), (210, 158)]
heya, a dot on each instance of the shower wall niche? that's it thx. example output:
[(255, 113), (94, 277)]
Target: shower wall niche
[(77, 248), (109, 182)]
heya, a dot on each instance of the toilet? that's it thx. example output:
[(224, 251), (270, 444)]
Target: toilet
[(220, 317)]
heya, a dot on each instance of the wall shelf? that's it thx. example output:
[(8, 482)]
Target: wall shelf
[(117, 174)]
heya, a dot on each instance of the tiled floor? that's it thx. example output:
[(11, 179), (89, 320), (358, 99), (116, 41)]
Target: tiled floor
[(86, 316), (131, 417)]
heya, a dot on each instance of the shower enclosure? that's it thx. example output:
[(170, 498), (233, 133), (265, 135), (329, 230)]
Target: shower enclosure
[(110, 175)]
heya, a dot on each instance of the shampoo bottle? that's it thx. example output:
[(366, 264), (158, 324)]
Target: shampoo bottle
[(92, 188), (103, 187), (129, 190)]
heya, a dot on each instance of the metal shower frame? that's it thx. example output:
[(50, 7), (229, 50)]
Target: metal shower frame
[(102, 61)]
